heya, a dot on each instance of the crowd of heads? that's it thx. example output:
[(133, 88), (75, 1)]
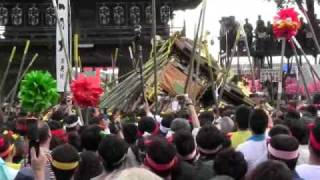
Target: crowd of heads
[(231, 142)]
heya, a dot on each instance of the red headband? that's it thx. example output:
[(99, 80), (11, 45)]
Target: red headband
[(160, 167), (59, 133), (313, 141)]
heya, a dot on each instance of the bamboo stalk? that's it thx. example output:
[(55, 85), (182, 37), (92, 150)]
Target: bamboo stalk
[(283, 49), (34, 58), (76, 52), (195, 44), (154, 32), (300, 71), (25, 52), (306, 58), (5, 74)]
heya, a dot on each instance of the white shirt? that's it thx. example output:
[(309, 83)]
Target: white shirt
[(254, 150), (303, 154), (309, 172)]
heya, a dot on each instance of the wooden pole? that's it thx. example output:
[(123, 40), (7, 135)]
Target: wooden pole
[(300, 71), (25, 52), (283, 49), (154, 33), (5, 74)]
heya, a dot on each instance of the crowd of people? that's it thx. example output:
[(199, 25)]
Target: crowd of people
[(226, 143)]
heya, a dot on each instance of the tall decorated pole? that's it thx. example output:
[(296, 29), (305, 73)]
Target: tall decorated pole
[(154, 32), (286, 25)]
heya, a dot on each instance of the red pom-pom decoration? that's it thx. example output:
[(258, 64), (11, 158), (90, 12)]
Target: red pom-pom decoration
[(86, 91), (286, 23)]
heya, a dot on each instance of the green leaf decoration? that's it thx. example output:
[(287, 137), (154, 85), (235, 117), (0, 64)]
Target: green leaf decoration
[(38, 92)]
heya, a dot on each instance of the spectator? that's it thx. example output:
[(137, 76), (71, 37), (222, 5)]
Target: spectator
[(65, 161), (242, 121), (285, 148), (229, 163), (89, 166), (90, 138), (255, 148), (311, 171), (186, 146), (271, 170)]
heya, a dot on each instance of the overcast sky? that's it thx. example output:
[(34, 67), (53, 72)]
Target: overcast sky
[(216, 9)]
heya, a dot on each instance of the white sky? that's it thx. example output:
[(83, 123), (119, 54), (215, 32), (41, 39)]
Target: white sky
[(216, 9)]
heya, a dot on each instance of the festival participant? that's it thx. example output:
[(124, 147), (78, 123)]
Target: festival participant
[(229, 164), (285, 148), (186, 147), (242, 121), (255, 148), (89, 166), (299, 130), (311, 170), (148, 126), (91, 138), (180, 124), (44, 144), (206, 118), (72, 123), (115, 156), (65, 161), (165, 124), (59, 135), (6, 154), (271, 170), (161, 158), (210, 141)]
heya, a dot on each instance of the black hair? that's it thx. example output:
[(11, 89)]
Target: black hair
[(91, 137), (69, 120), (284, 142), (209, 137), (297, 127), (184, 142), (161, 152), (89, 166), (65, 154), (130, 133), (147, 124), (43, 132), (74, 140), (279, 129), (183, 113), (242, 117), (231, 163), (54, 125), (112, 149), (206, 118), (258, 121), (271, 170)]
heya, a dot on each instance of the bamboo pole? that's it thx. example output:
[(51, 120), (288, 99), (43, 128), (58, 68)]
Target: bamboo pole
[(297, 44), (25, 52), (34, 58), (193, 54), (283, 49), (300, 71), (5, 74), (76, 52), (154, 32)]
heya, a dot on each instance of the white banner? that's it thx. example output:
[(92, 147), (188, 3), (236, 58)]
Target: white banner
[(61, 59)]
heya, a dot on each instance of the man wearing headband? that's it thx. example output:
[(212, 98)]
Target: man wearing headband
[(255, 148), (285, 148), (65, 160), (161, 158), (114, 155), (311, 171), (210, 141), (186, 147), (6, 153)]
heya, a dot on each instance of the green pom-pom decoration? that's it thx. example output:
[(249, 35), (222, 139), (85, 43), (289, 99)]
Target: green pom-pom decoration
[(38, 92)]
